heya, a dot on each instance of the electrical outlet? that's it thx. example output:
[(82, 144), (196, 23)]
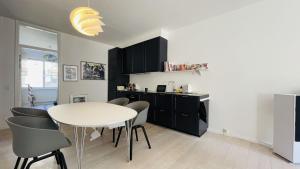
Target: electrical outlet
[(225, 131)]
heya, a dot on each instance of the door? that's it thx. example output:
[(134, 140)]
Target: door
[(39, 77), (37, 67)]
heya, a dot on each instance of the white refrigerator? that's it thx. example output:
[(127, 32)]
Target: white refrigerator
[(286, 140)]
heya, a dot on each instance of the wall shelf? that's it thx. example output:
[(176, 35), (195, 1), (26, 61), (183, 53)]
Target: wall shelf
[(194, 68)]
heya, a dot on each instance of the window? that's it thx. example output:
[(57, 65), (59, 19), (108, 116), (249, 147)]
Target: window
[(50, 76), (31, 36), (32, 73), (39, 68)]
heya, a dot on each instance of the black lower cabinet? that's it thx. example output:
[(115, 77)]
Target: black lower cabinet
[(164, 115), (133, 97), (180, 112), (186, 114), (150, 97)]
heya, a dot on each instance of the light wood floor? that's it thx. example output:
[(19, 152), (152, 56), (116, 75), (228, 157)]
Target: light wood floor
[(170, 150)]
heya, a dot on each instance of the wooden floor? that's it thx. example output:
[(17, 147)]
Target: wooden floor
[(170, 150)]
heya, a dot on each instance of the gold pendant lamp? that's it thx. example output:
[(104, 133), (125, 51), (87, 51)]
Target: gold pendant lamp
[(86, 20)]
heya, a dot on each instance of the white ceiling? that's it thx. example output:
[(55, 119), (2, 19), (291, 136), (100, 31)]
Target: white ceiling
[(124, 19)]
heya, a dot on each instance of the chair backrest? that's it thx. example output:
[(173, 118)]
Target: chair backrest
[(142, 108), (31, 112), (32, 136), (122, 101)]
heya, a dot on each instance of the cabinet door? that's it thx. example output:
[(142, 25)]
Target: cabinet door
[(164, 110), (186, 114), (127, 65), (121, 94), (133, 97), (155, 54), (152, 55), (112, 64), (138, 58), (151, 99)]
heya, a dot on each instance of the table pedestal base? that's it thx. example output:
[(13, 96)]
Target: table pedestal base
[(128, 126), (79, 134)]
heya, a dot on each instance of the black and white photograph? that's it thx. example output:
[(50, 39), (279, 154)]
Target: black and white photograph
[(70, 72), (92, 71)]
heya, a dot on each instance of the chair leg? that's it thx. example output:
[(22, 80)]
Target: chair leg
[(24, 163), (114, 131), (63, 161), (116, 145), (130, 157), (17, 163), (136, 134), (57, 155), (57, 159), (102, 131), (145, 133)]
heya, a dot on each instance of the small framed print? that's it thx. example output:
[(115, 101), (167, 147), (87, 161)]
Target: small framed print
[(78, 98), (70, 73)]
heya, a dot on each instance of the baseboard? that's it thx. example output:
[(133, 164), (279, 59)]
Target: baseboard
[(263, 143)]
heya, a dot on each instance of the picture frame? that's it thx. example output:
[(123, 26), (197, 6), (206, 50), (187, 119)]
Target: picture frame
[(70, 73), (92, 71), (78, 98)]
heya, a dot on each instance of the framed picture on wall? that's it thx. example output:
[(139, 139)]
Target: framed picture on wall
[(70, 73), (92, 71), (78, 98)]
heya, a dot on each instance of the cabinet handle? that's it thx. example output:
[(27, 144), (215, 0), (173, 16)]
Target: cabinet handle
[(184, 115), (184, 96), (162, 110)]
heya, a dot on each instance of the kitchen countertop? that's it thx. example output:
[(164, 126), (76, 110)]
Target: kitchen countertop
[(201, 95)]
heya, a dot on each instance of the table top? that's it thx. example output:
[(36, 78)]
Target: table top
[(91, 114)]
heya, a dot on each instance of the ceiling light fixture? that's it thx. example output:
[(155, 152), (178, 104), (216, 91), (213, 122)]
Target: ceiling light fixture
[(86, 20)]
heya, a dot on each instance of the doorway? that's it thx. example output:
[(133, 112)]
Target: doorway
[(38, 67)]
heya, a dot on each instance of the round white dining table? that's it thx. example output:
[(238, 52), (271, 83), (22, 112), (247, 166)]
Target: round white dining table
[(92, 114)]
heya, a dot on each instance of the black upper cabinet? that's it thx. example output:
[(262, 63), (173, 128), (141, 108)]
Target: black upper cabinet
[(138, 58), (147, 56), (127, 64), (155, 54)]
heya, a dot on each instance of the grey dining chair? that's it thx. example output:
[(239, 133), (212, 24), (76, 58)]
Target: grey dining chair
[(32, 112), (33, 138), (122, 101), (142, 108), (24, 111)]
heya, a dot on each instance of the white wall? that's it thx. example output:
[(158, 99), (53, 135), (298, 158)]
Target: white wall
[(72, 51), (143, 37), (7, 49), (252, 53)]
